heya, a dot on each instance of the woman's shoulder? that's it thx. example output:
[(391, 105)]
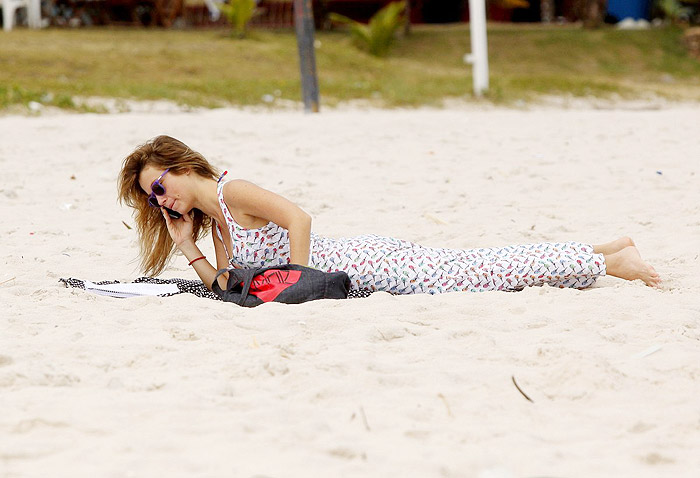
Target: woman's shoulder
[(236, 190), (235, 185)]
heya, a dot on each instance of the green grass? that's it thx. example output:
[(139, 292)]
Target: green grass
[(209, 68)]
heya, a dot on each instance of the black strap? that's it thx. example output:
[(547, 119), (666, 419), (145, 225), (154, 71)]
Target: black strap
[(235, 276), (247, 281)]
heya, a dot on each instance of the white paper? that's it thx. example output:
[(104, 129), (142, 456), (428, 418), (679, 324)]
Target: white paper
[(131, 289)]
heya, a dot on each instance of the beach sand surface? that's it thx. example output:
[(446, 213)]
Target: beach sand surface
[(410, 386)]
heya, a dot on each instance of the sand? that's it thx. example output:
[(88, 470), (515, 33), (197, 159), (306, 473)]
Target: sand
[(413, 386)]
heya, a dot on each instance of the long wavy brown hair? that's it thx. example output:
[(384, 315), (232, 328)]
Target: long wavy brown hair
[(161, 152)]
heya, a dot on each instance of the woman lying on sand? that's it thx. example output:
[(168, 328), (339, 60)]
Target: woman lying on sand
[(253, 227)]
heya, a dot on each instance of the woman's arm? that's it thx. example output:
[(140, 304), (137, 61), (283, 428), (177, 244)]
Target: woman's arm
[(254, 205), (221, 257)]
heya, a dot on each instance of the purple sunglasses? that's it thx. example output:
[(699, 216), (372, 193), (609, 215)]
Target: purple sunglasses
[(157, 189)]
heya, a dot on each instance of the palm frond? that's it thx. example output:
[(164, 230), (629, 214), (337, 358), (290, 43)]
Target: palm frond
[(377, 36)]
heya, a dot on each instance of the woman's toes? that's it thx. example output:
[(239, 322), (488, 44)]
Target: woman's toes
[(628, 264), (653, 278)]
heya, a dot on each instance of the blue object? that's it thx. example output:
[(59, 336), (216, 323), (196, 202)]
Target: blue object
[(622, 9)]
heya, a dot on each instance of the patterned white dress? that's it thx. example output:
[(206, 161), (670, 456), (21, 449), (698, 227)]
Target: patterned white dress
[(386, 264)]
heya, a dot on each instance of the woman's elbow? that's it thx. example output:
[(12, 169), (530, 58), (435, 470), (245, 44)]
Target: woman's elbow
[(300, 222), (307, 220), (303, 220)]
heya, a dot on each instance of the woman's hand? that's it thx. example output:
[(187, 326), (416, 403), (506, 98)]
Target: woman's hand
[(180, 230)]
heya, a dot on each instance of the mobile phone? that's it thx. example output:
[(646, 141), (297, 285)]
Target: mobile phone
[(172, 214)]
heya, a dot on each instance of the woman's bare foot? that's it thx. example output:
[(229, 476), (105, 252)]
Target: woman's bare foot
[(614, 246), (628, 264)]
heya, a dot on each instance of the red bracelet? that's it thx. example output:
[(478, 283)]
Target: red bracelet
[(195, 260)]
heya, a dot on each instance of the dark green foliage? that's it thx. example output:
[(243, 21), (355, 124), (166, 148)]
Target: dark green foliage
[(379, 34)]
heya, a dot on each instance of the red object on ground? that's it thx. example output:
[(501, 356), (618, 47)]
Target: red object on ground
[(268, 285)]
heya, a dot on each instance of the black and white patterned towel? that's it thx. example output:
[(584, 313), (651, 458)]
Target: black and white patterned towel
[(183, 286)]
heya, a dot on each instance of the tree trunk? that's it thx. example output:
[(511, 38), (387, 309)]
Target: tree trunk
[(407, 18), (546, 11), (592, 12)]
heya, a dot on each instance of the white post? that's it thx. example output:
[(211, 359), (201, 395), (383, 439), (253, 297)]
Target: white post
[(479, 57)]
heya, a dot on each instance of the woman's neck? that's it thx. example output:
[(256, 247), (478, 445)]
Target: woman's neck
[(206, 199)]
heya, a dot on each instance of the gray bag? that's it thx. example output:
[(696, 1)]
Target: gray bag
[(289, 284)]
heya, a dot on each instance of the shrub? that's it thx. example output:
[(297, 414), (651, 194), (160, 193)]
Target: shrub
[(238, 13), (378, 35), (679, 11)]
